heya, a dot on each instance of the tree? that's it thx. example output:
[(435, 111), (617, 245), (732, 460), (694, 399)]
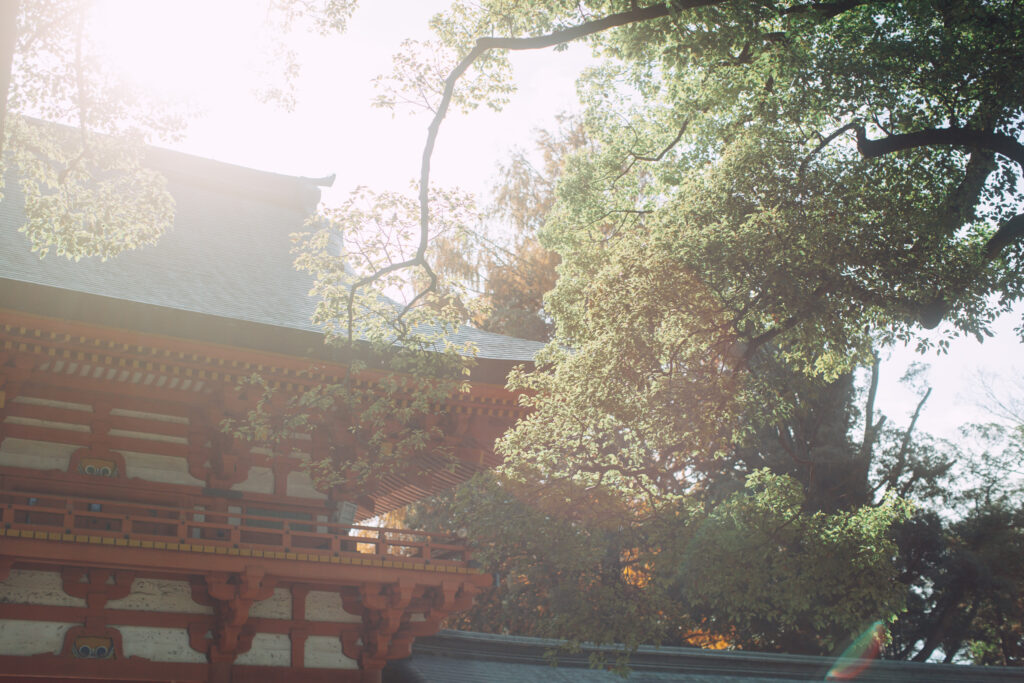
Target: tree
[(749, 558), (767, 192), (500, 268), (962, 558), (965, 586), (817, 177), (574, 562), (773, 551), (515, 286), (578, 562)]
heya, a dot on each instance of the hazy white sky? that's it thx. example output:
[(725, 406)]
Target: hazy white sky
[(334, 129)]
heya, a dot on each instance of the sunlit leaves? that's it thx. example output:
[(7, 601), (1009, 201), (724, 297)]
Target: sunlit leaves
[(86, 194), (86, 191), (387, 415)]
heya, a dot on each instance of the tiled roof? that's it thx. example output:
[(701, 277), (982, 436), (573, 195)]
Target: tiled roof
[(462, 657), (228, 254)]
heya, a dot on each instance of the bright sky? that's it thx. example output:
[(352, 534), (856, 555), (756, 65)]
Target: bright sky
[(334, 128), (206, 51)]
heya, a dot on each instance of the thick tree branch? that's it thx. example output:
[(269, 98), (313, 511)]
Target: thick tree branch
[(871, 428), (1009, 232), (960, 206), (828, 10), (930, 314), (1000, 143), (901, 456)]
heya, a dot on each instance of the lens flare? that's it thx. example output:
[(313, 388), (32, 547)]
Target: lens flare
[(859, 655)]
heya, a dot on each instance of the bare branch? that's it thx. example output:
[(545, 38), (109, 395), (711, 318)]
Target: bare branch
[(825, 142), (901, 456), (871, 428), (486, 44), (482, 46), (640, 157)]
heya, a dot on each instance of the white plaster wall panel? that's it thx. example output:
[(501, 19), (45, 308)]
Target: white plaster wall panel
[(158, 644), (268, 649), (301, 486), (159, 595), (50, 403), (326, 606), (156, 417), (260, 480), (36, 455), (50, 424), (165, 469), (324, 652), (20, 637), (30, 587), (277, 606), (149, 436)]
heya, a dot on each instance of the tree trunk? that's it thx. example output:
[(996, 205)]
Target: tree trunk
[(8, 39)]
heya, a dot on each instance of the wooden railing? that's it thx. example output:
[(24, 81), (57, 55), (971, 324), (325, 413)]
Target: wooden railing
[(224, 528)]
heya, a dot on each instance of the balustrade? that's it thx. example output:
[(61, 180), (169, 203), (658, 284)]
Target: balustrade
[(230, 529)]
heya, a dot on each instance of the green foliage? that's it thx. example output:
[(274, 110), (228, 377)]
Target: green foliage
[(86, 190), (570, 563), (86, 194), (388, 414), (758, 176), (757, 571), (774, 576), (962, 560), (965, 585)]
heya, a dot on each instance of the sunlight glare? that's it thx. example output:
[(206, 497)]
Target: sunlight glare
[(201, 51), (859, 655)]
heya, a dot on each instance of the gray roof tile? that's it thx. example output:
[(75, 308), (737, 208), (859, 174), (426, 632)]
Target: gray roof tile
[(228, 254), (465, 657)]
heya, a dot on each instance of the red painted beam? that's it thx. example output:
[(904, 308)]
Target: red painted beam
[(188, 563)]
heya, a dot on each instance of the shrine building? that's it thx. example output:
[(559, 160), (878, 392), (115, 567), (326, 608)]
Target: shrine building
[(138, 542)]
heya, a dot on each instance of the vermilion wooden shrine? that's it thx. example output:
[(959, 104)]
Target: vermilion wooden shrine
[(139, 542)]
